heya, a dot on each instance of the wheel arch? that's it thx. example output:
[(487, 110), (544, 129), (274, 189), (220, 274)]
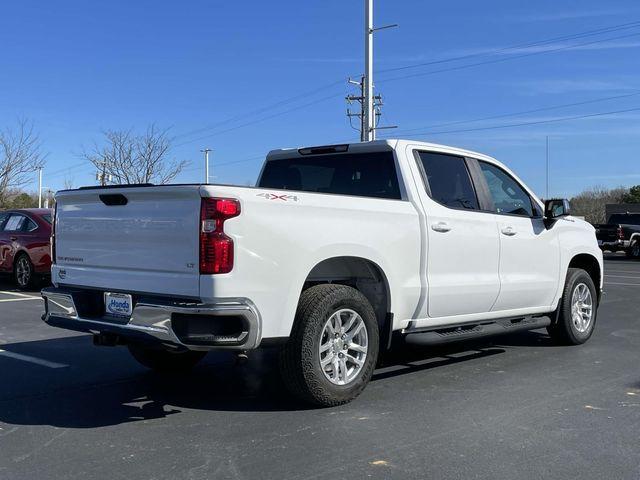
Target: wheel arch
[(590, 264), (364, 275), (17, 255)]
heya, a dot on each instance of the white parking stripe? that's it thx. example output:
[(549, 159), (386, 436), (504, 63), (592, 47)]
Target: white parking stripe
[(627, 284), (19, 299), (35, 360), (623, 276), (18, 294)]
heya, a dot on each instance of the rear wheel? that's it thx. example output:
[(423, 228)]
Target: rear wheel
[(332, 351), (577, 310), (634, 250), (165, 361), (23, 271)]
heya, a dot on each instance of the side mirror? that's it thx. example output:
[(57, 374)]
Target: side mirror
[(556, 208)]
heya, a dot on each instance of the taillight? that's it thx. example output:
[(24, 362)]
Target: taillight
[(216, 248), (620, 233)]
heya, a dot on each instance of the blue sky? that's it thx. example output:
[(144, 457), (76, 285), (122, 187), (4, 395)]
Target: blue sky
[(213, 70)]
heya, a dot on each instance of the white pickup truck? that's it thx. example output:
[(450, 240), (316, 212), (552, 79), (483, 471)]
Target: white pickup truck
[(336, 252)]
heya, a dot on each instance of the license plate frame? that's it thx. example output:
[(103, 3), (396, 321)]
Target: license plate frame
[(119, 305)]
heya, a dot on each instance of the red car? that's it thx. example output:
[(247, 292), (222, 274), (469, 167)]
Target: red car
[(25, 249)]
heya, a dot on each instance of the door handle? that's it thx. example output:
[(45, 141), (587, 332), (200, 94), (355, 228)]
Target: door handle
[(13, 239), (441, 227), (509, 231)]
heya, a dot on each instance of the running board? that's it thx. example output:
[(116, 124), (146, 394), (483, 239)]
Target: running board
[(439, 335)]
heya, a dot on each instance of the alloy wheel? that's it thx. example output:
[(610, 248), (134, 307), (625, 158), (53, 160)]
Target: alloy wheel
[(23, 271), (581, 307), (343, 346)]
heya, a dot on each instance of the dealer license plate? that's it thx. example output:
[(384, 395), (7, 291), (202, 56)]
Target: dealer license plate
[(118, 304)]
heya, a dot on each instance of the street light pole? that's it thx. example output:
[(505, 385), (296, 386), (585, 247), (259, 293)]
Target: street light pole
[(547, 170), (40, 187), (206, 164)]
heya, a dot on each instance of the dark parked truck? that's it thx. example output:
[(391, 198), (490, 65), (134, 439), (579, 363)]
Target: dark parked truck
[(621, 233)]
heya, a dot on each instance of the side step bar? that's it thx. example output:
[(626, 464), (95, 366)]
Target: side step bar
[(439, 335)]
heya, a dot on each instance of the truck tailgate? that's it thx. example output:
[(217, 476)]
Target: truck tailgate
[(606, 232), (134, 239)]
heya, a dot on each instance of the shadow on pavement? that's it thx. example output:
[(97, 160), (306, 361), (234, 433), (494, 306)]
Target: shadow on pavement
[(105, 387), (7, 285)]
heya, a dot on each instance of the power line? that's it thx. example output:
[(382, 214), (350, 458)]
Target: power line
[(524, 112), (262, 109), (506, 59), (316, 90), (292, 99), (63, 171), (522, 124), (253, 122), (588, 33)]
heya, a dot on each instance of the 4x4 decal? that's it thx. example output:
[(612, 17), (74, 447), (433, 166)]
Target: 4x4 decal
[(273, 196)]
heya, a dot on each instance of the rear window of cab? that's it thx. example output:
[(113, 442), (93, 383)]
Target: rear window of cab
[(359, 174)]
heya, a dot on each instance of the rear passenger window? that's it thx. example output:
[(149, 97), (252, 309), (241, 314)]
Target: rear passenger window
[(29, 225), (448, 180), (15, 223)]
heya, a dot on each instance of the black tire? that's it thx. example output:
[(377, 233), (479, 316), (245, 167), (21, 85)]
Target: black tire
[(300, 356), (564, 331), (23, 271), (165, 361), (634, 250)]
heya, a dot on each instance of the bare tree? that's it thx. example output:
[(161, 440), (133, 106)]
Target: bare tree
[(20, 156), (68, 183), (129, 158), (591, 203)]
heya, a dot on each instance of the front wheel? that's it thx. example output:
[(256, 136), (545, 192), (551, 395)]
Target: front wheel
[(165, 361), (577, 310), (333, 348)]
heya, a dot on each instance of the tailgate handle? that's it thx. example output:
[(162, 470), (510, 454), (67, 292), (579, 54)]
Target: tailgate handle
[(113, 199)]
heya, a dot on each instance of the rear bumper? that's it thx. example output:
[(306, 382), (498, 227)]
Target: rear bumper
[(165, 322), (613, 245)]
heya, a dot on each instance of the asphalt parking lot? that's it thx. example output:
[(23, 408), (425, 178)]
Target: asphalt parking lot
[(515, 407)]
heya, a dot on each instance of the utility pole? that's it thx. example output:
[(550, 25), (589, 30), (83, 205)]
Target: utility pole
[(40, 187), (547, 171), (206, 164), (370, 103), (360, 116), (377, 99), (369, 115)]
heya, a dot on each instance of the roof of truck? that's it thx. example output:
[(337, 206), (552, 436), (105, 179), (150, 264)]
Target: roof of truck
[(377, 145)]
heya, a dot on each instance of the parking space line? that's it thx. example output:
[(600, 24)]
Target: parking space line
[(18, 294), (34, 360), (627, 284), (18, 299), (623, 276)]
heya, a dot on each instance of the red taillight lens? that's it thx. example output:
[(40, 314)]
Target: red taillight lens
[(620, 233), (216, 248)]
